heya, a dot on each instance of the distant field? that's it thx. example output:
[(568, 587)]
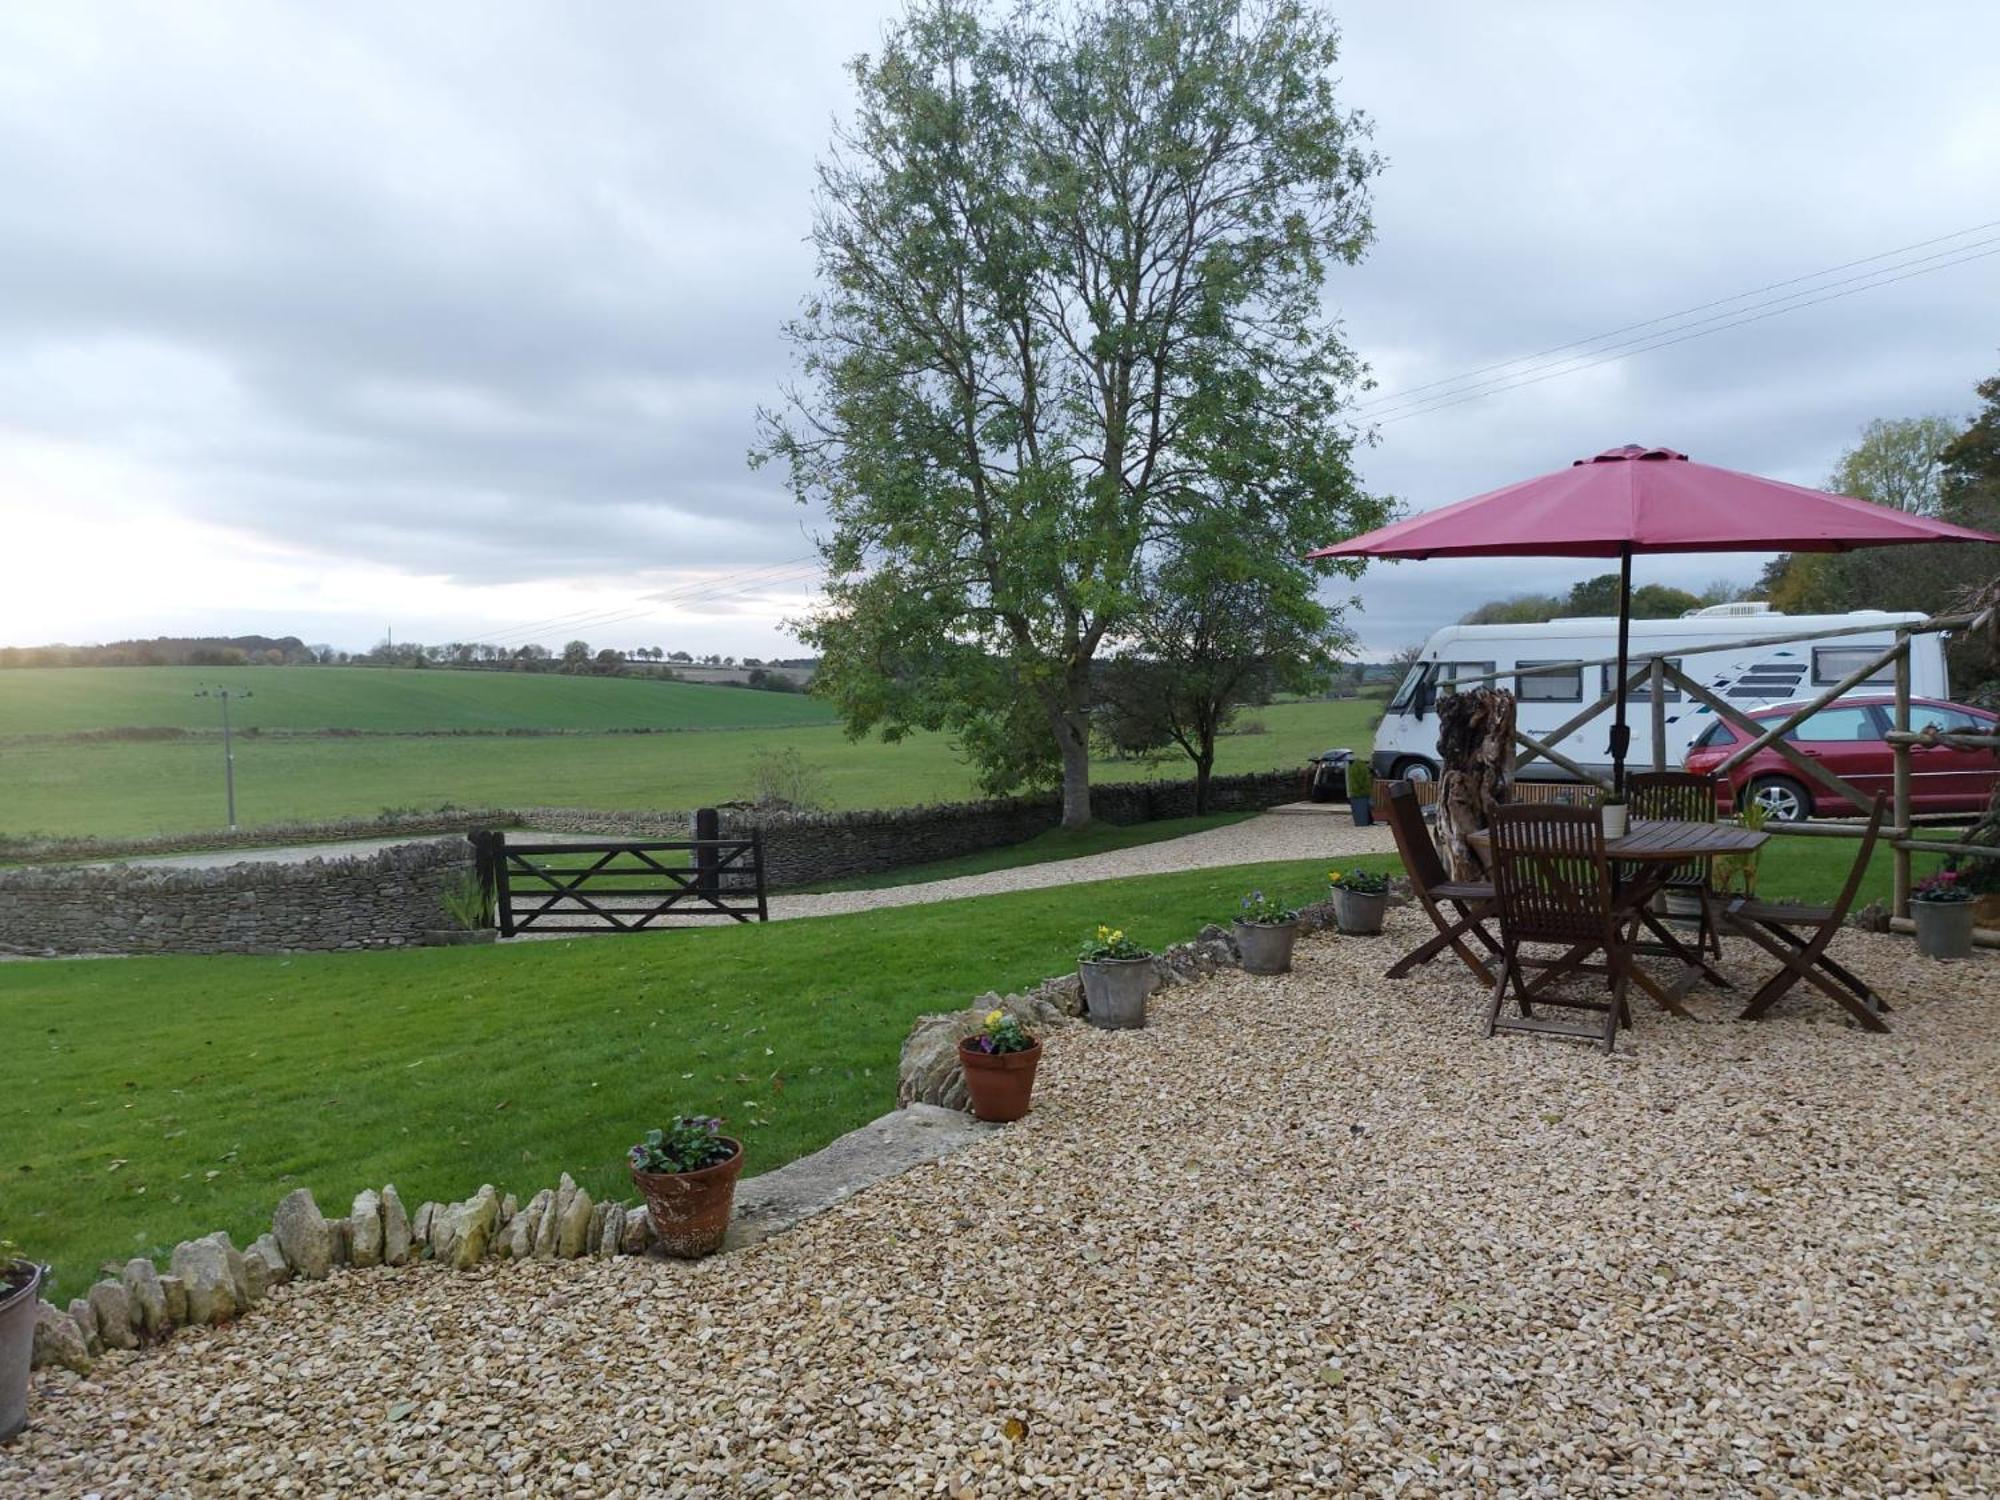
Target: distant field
[(122, 788), (65, 700)]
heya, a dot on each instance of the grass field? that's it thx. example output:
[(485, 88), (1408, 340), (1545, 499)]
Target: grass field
[(145, 1100), (381, 700), (171, 786)]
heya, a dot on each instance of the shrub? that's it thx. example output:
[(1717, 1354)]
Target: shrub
[(785, 779)]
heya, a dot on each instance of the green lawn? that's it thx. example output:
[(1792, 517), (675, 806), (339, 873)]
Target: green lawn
[(132, 788), (57, 700), (1057, 843), (146, 1100)]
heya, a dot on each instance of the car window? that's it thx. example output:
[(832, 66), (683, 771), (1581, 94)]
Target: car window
[(1841, 725), (1716, 735), (1928, 715)]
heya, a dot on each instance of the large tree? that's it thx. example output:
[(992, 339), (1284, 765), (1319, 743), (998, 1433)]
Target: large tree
[(1072, 258)]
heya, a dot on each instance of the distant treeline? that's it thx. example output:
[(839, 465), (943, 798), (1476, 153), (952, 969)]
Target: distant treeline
[(171, 651), (576, 659)]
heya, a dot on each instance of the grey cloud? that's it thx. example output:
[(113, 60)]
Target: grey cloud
[(493, 291)]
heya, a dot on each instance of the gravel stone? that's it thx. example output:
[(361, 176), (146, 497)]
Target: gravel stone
[(1308, 1234)]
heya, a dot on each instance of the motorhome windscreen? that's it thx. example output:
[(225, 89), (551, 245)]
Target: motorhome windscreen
[(1407, 688)]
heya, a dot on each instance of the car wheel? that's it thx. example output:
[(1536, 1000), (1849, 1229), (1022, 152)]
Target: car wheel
[(1783, 799), (1414, 770)]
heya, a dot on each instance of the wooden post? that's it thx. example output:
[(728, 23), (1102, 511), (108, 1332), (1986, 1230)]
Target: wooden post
[(1658, 688), (503, 895), (1901, 750), (707, 828)]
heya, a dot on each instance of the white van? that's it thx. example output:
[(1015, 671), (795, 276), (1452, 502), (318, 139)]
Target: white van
[(1702, 644)]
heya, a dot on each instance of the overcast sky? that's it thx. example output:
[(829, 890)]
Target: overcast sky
[(453, 318)]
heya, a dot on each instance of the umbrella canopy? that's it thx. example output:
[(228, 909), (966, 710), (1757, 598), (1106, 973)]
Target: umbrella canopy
[(1648, 500), (1631, 500)]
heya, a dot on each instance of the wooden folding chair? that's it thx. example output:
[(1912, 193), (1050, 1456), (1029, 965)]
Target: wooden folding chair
[(1552, 884), (1458, 908), (1682, 797), (1797, 936)]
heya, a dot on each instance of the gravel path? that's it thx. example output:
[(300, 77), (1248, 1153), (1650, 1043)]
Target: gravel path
[(1303, 1235), (1271, 836)]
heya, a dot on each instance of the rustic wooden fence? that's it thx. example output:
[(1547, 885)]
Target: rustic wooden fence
[(1657, 672), (622, 885)]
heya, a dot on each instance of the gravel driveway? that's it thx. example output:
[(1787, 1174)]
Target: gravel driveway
[(1308, 1234), (1270, 836)]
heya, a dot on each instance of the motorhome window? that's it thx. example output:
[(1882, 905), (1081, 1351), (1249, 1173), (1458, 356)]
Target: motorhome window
[(1449, 672), (1408, 688), (1642, 690), (1549, 687), (1832, 663)]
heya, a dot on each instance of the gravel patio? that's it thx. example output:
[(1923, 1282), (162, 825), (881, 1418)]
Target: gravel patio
[(1301, 1235)]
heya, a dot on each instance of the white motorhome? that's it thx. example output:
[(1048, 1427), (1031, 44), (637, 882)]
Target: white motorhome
[(1704, 645)]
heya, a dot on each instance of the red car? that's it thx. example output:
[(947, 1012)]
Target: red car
[(1847, 738)]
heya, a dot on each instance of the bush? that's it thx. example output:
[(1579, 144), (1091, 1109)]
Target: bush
[(784, 779)]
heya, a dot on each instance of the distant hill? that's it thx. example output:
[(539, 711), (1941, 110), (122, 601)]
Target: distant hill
[(381, 700)]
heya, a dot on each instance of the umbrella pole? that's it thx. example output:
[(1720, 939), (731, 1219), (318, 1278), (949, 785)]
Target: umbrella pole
[(1621, 732)]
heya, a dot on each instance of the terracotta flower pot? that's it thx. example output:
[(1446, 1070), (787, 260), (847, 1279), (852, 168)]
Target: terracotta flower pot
[(17, 1342), (690, 1210), (1000, 1083)]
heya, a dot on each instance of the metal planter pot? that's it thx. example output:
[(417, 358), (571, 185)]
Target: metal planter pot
[(1944, 928), (1362, 809), (17, 1344), (1115, 991), (1358, 913), (1266, 947)]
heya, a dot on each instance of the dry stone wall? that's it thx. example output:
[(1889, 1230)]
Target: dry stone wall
[(384, 900)]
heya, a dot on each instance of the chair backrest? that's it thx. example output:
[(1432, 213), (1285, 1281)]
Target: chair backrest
[(1674, 797), (1550, 874), (1413, 840), (1671, 796), (1860, 869)]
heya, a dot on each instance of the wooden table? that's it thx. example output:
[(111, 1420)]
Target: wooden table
[(1658, 846)]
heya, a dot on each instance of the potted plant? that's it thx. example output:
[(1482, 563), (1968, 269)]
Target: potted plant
[(470, 906), (687, 1174), (999, 1061), (1982, 878), (1616, 814), (1360, 793), (1266, 928), (20, 1287), (1942, 906), (1117, 977), (1359, 899)]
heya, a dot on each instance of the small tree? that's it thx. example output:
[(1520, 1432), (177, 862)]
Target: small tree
[(576, 656)]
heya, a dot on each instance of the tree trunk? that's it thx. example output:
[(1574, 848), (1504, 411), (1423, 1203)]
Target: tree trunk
[(1204, 764), (1073, 737)]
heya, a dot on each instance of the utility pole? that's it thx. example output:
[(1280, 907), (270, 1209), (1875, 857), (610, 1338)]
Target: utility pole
[(228, 748)]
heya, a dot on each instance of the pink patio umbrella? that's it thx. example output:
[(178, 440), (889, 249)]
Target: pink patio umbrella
[(1630, 500)]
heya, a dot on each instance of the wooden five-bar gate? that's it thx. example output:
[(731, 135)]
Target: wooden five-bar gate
[(624, 884)]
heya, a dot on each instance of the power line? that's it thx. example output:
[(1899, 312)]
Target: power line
[(1397, 398), (1458, 398)]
